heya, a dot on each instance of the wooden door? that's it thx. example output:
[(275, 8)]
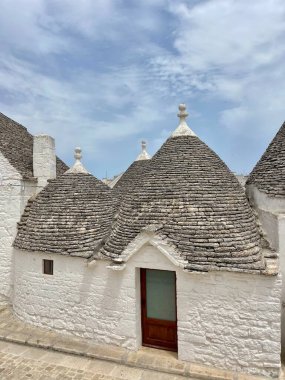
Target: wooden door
[(158, 305)]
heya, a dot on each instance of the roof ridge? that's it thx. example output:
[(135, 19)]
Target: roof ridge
[(19, 124)]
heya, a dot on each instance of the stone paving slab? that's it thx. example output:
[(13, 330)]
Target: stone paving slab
[(21, 362), (13, 367), (14, 330)]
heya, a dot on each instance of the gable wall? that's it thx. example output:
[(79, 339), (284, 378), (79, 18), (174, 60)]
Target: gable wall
[(271, 213), (14, 193), (226, 320), (281, 233)]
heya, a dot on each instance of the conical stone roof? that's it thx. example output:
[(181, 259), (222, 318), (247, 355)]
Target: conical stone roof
[(197, 206), (133, 174), (71, 215), (269, 173)]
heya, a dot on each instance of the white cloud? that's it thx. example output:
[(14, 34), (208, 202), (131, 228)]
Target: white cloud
[(75, 110), (227, 51), (225, 33), (23, 28), (52, 26), (78, 105), (92, 19), (232, 51)]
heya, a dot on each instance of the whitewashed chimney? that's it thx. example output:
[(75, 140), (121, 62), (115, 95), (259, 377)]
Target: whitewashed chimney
[(44, 159)]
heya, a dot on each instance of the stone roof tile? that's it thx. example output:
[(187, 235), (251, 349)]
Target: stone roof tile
[(198, 204), (16, 144), (70, 216), (269, 173), (133, 174)]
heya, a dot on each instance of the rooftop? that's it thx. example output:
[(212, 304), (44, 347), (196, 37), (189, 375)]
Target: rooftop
[(134, 172), (70, 216), (16, 144), (194, 203), (269, 173), (185, 195)]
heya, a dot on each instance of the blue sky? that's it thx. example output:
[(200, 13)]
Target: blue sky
[(105, 74)]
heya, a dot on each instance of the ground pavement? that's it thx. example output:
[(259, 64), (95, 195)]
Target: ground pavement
[(30, 352), (19, 362)]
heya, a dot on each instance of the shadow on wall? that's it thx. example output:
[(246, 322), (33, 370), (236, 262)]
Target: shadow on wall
[(104, 289)]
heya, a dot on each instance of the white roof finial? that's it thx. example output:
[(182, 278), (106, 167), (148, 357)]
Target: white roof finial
[(182, 129), (182, 112), (77, 167), (77, 153), (143, 143), (143, 155)]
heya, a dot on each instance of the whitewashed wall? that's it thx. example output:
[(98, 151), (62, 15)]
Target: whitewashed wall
[(231, 321), (44, 159), (10, 190), (281, 234), (14, 194), (271, 212), (226, 320)]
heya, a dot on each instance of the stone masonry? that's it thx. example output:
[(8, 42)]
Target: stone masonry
[(14, 193), (225, 320)]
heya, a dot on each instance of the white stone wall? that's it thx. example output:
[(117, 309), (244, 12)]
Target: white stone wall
[(10, 190), (270, 225), (264, 202), (271, 212), (44, 159), (281, 233), (231, 321), (14, 194), (226, 320)]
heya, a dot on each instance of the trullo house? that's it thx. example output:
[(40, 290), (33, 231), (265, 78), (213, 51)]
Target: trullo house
[(176, 255)]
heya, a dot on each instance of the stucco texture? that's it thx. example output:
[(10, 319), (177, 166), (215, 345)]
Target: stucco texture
[(14, 193), (225, 320), (271, 214)]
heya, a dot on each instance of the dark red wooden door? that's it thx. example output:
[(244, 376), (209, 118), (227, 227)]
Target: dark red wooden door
[(158, 305)]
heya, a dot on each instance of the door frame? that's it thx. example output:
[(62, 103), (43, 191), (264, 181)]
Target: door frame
[(173, 324)]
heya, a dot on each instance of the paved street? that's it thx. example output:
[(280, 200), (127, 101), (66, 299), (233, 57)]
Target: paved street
[(30, 352), (22, 362)]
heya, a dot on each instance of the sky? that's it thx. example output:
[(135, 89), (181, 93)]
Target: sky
[(105, 74)]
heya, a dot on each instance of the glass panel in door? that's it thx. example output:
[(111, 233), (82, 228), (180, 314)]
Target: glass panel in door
[(160, 295)]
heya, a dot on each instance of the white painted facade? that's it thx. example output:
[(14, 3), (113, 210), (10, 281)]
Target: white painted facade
[(14, 195), (271, 213), (44, 159), (226, 320)]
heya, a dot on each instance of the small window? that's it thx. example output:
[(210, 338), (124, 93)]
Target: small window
[(48, 266)]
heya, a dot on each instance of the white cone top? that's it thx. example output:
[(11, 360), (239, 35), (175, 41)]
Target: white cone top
[(77, 167), (182, 129), (143, 155)]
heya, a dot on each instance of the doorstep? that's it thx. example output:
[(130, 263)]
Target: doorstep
[(14, 330)]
